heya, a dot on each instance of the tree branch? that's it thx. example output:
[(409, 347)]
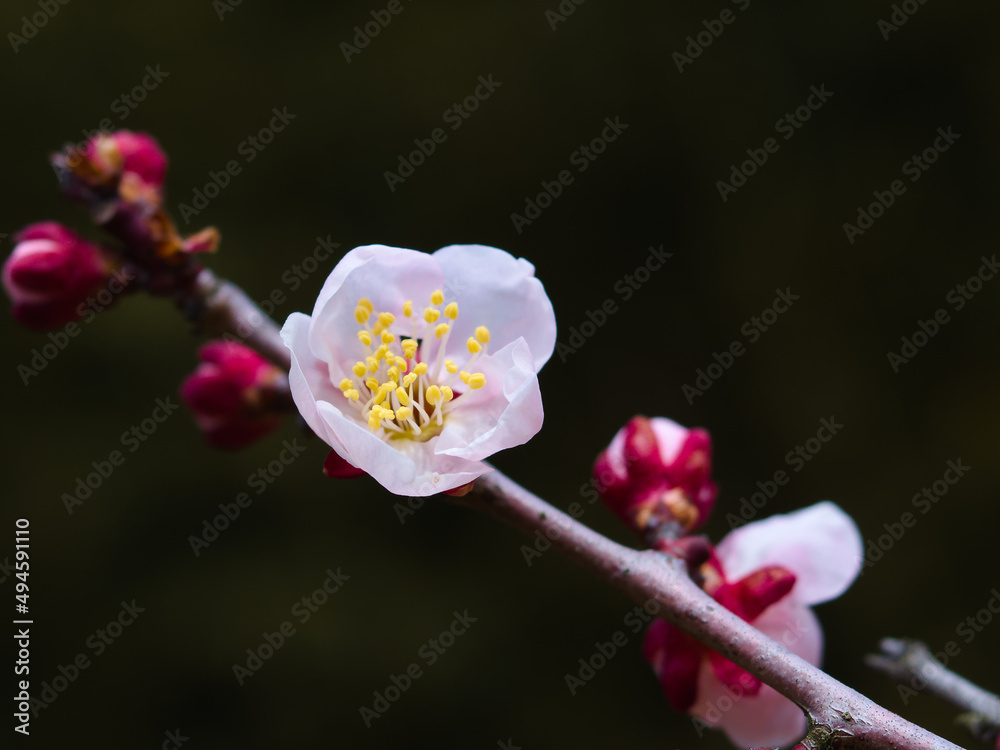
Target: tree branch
[(837, 714), (219, 307), (911, 662)]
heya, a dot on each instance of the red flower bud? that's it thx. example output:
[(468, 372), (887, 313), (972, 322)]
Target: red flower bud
[(657, 472), (234, 394), (51, 273), (126, 153)]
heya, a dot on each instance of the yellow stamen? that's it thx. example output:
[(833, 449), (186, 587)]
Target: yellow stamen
[(346, 384), (451, 311), (404, 413), (372, 363), (448, 393), (437, 297), (464, 376), (361, 314), (360, 368), (393, 373), (441, 329), (408, 379), (408, 308), (403, 396), (474, 346), (409, 348), (366, 303), (365, 338), (450, 366), (420, 369), (372, 384), (387, 338), (483, 335), (431, 315), (353, 394), (476, 380), (386, 319), (433, 395)]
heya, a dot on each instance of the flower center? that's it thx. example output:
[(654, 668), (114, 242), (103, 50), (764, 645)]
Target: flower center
[(398, 393)]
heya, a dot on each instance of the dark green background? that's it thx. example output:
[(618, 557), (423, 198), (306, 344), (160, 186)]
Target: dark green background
[(655, 184)]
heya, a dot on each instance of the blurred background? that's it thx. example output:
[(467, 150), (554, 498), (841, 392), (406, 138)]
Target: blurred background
[(558, 72)]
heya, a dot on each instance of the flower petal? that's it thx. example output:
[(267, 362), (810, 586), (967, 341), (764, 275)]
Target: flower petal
[(676, 659), (821, 545), (767, 718), (308, 379), (388, 276), (405, 467), (507, 411), (497, 290)]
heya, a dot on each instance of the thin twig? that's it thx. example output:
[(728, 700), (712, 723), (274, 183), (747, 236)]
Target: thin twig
[(911, 662)]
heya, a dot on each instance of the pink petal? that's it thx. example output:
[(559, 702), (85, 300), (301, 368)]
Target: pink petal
[(388, 277), (821, 545), (767, 718), (507, 411), (676, 659), (499, 291), (670, 438)]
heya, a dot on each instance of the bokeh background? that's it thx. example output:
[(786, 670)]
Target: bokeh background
[(323, 176)]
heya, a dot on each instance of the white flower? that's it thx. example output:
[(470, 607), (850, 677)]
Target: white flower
[(416, 367)]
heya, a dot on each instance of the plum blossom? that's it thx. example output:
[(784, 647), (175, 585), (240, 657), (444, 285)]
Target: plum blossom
[(416, 367), (656, 471), (51, 273), (769, 573)]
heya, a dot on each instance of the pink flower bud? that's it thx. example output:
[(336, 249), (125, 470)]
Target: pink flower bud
[(235, 394), (126, 153), (51, 273), (656, 472)]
